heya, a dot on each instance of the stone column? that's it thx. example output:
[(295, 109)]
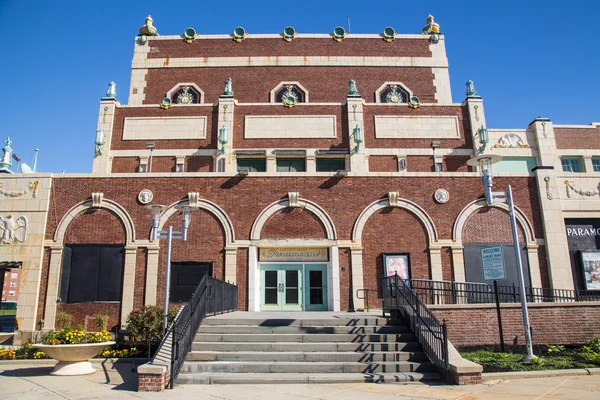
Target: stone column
[(151, 276), (128, 283), (231, 265), (358, 158), (225, 160), (458, 263), (52, 291), (253, 280), (356, 258), (334, 279), (534, 265), (435, 258), (106, 118)]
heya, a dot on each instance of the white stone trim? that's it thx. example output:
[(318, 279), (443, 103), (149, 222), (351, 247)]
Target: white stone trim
[(249, 36), (179, 85), (475, 205), (277, 88), (110, 205), (384, 86), (208, 206), (279, 205), (408, 205), (288, 61)]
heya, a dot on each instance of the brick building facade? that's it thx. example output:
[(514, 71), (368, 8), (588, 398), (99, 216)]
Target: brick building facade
[(310, 160)]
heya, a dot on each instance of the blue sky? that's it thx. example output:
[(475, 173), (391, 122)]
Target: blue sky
[(527, 58)]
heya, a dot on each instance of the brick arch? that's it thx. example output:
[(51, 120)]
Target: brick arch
[(293, 223), (489, 225), (278, 206), (522, 222), (84, 228)]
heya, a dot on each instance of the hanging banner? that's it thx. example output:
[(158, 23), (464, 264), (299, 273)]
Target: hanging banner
[(492, 262), (293, 254)]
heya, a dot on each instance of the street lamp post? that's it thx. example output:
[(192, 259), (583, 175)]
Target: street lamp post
[(484, 162), (169, 234)]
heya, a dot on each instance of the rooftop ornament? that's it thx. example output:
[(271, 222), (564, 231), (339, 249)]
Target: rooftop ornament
[(388, 34), (432, 29), (6, 161), (471, 92), (339, 34), (228, 91), (239, 34), (148, 29), (189, 35), (352, 89), (289, 34), (111, 93)]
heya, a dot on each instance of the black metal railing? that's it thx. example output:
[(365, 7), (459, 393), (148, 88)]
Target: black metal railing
[(400, 300), (365, 296), (450, 292), (212, 296)]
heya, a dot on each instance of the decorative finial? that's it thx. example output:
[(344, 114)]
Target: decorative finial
[(431, 26), (148, 29), (352, 90), (228, 91), (111, 93), (471, 92), (6, 161)]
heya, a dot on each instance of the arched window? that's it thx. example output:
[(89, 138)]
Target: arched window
[(289, 94), (185, 94), (393, 92)]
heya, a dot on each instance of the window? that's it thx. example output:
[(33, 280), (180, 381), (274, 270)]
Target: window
[(571, 164), (515, 164), (252, 164), (289, 94), (596, 164), (291, 165), (14, 275), (11, 292), (91, 273), (330, 164), (439, 167), (13, 284), (186, 95)]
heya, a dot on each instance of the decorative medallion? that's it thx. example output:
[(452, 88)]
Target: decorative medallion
[(414, 102), (185, 97), (145, 196), (441, 196), (13, 230), (166, 103), (588, 193), (289, 97), (394, 95), (511, 140)]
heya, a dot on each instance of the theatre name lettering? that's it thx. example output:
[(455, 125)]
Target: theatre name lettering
[(293, 254), (583, 231)]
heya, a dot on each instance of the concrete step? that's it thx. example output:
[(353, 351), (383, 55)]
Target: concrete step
[(309, 337), (390, 329), (369, 321), (306, 367), (279, 356), (306, 347), (254, 378)]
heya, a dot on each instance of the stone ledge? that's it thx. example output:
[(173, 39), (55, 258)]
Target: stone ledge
[(462, 371)]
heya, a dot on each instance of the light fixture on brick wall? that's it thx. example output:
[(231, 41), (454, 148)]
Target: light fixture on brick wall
[(150, 146)]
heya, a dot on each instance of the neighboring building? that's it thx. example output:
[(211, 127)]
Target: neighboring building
[(10, 285), (313, 160)]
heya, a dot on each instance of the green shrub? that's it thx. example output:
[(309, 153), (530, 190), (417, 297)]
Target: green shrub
[(148, 322), (63, 320), (101, 321)]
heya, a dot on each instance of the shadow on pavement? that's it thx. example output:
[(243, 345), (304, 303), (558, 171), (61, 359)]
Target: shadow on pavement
[(27, 372), (121, 374)]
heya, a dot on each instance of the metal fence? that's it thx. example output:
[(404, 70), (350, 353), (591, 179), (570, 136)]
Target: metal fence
[(212, 296), (450, 292), (399, 299)]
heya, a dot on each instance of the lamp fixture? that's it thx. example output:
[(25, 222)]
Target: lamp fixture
[(484, 138), (100, 138), (223, 138), (358, 136)]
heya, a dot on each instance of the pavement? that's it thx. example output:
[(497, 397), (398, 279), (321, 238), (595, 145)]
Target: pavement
[(30, 379)]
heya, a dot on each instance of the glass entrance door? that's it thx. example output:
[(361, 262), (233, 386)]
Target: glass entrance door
[(315, 282), (281, 287)]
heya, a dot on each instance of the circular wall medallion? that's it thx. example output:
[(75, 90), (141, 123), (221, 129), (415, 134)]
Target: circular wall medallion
[(441, 196), (145, 196)]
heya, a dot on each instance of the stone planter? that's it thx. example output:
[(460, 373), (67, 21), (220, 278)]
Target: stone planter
[(72, 358)]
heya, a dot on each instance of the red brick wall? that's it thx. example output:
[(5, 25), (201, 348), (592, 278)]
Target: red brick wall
[(419, 163), (139, 291), (456, 163), (199, 164), (205, 243), (83, 313), (95, 226), (552, 323), (383, 164), (125, 164), (392, 230), (43, 287), (163, 164), (241, 277), (345, 278), (293, 223), (489, 225), (577, 138)]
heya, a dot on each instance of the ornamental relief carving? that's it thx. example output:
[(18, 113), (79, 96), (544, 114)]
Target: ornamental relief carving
[(511, 140), (13, 231), (32, 186)]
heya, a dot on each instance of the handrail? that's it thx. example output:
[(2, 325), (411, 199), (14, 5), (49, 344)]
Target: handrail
[(365, 297), (210, 296), (432, 335)]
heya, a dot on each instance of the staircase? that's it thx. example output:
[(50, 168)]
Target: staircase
[(294, 348)]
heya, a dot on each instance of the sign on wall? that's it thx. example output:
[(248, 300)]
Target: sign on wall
[(268, 254), (590, 261), (396, 264), (492, 263)]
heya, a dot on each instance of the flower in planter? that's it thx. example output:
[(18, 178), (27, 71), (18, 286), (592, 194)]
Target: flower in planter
[(75, 336)]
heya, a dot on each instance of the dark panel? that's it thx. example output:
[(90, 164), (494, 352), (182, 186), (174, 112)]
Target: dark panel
[(185, 277), (474, 271), (110, 273), (583, 234), (84, 274), (66, 274)]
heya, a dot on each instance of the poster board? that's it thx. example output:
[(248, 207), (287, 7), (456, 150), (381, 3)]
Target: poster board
[(590, 262), (492, 263), (396, 263)]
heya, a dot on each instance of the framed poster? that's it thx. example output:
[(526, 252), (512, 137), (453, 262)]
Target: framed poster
[(492, 263), (590, 261), (396, 263)]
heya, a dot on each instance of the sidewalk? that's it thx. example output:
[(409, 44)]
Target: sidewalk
[(29, 379)]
